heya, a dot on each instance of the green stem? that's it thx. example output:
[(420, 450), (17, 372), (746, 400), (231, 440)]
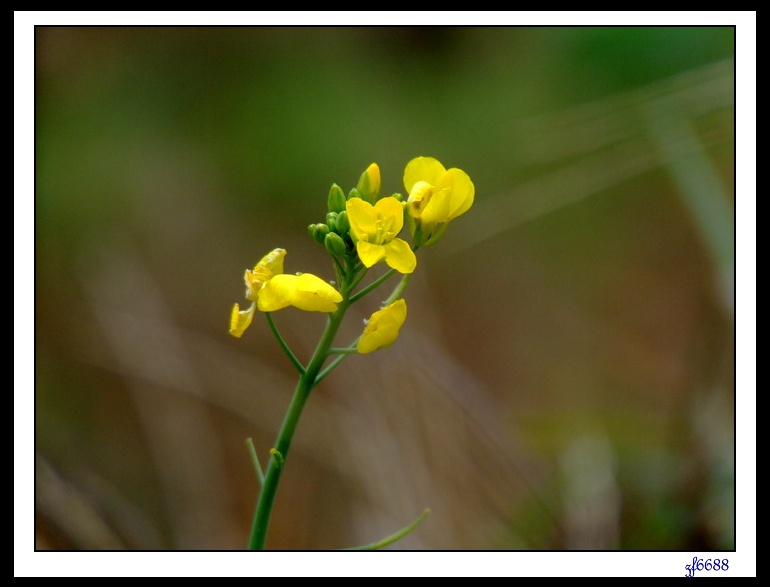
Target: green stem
[(358, 273), (339, 270), (393, 537), (399, 289), (331, 366), (255, 461), (307, 381), (340, 351), (292, 357), (376, 283)]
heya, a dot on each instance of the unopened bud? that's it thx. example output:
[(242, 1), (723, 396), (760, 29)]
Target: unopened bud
[(331, 221), (335, 245), (318, 232), (369, 183), (336, 199), (343, 224)]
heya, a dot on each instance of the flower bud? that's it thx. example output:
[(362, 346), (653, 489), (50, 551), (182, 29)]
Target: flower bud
[(343, 223), (318, 232), (336, 199), (331, 221), (369, 183), (335, 245)]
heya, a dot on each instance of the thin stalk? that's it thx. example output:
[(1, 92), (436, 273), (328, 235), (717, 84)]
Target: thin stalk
[(393, 537), (374, 284), (330, 367), (340, 351), (292, 357), (255, 461), (358, 274), (307, 381), (398, 290)]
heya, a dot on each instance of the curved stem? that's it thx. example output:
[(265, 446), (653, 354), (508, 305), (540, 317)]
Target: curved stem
[(280, 452), (292, 357), (393, 537), (399, 289)]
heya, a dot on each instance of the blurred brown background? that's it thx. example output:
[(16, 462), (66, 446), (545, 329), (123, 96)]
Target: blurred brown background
[(565, 379)]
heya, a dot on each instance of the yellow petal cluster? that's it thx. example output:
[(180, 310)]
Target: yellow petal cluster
[(436, 195), (382, 328), (375, 228), (270, 289)]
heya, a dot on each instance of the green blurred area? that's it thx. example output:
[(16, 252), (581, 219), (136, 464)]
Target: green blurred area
[(565, 379)]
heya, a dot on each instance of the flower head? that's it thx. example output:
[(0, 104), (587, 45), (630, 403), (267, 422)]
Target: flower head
[(382, 328), (270, 289), (375, 228), (436, 196)]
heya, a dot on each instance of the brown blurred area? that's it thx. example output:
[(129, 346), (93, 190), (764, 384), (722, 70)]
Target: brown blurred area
[(566, 376)]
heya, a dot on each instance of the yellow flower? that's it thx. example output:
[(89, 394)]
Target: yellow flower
[(269, 289), (382, 328), (436, 196), (375, 229)]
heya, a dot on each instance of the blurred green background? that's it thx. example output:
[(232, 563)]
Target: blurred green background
[(565, 379)]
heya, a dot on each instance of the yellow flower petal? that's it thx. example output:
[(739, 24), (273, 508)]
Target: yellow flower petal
[(370, 253), (425, 169), (383, 327), (362, 217), (271, 264), (313, 294), (240, 321), (399, 256), (462, 191), (448, 198), (277, 293), (306, 291)]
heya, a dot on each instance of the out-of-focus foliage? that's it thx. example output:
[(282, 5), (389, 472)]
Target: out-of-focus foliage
[(565, 379)]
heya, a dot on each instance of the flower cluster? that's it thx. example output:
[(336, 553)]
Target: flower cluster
[(362, 229)]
